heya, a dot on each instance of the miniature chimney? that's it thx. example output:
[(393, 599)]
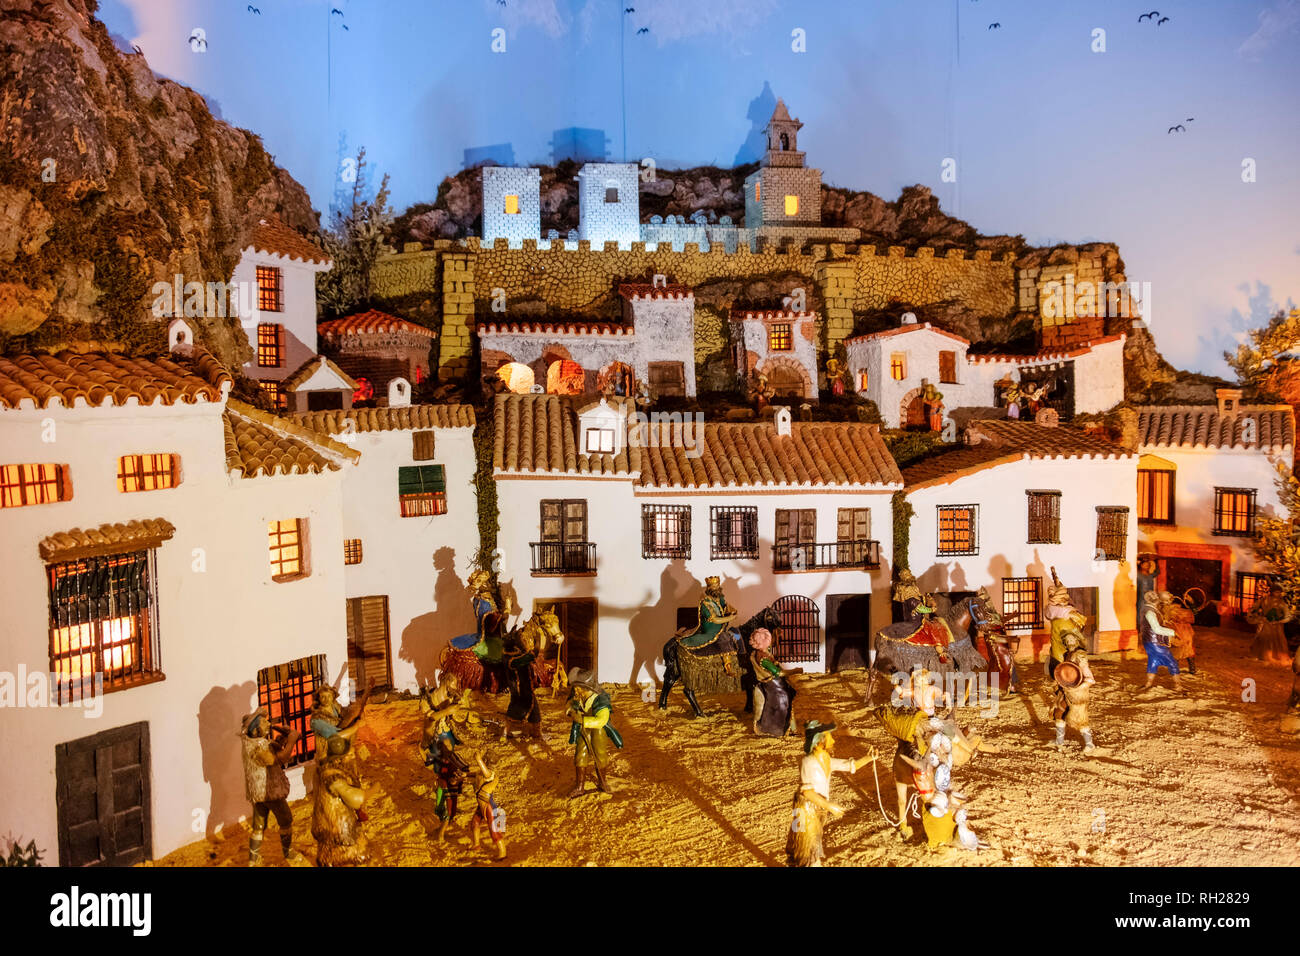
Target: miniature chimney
[(399, 393), (180, 336), (1229, 400), (782, 421)]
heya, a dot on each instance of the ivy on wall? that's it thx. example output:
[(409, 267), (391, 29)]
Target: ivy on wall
[(903, 512), (485, 489)]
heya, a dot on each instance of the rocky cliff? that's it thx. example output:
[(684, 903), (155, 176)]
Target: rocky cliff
[(111, 179)]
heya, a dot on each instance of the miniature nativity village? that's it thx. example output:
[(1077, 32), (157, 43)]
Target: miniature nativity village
[(598, 533)]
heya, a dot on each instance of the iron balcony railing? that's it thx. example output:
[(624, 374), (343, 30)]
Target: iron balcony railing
[(563, 557), (825, 557)]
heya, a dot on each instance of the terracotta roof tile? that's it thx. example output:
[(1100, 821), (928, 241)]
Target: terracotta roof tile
[(309, 368), (752, 454), (738, 315), (903, 330), (645, 290), (258, 443), (1042, 441), (388, 419), (538, 434), (124, 536), (107, 378), (1045, 355), (273, 236), (373, 322), (1201, 426), (997, 442), (555, 327)]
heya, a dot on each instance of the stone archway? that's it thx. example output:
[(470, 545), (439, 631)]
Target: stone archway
[(910, 412), (786, 377)]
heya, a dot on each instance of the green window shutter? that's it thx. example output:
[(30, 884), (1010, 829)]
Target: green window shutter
[(420, 479)]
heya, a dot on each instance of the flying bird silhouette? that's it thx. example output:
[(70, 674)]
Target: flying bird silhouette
[(253, 9), (995, 26), (643, 30), (345, 27), (1149, 16), (629, 9), (1162, 20), (334, 10), (1180, 127)]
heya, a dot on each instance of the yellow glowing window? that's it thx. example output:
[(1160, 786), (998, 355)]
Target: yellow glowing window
[(898, 366), (147, 472), (792, 205), (1234, 511), (758, 191), (779, 338), (33, 485), (862, 380), (512, 205), (286, 549)]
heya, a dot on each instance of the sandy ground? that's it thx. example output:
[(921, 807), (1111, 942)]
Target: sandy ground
[(1195, 779)]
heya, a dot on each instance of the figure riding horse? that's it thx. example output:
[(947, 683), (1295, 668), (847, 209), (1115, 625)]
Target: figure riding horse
[(933, 636), (712, 658), (478, 660)]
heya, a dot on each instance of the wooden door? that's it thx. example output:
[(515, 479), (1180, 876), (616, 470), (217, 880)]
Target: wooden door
[(848, 622), (577, 619), (1203, 573), (369, 647), (103, 795)]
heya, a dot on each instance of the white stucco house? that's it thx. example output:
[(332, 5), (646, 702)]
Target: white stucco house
[(282, 266), (780, 344), (618, 529), (892, 367), (174, 557), (1205, 473), (1017, 500), (410, 534)]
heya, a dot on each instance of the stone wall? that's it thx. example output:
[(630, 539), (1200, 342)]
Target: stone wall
[(550, 278)]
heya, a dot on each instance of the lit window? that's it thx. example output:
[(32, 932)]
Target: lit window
[(1155, 497), (779, 338), (1250, 589), (287, 554), (148, 472), (1234, 511), (270, 345), (512, 205), (862, 380), (792, 205), (33, 485), (733, 532), (1022, 605), (957, 529), (422, 490), (270, 289), (600, 441), (758, 191), (898, 366), (103, 622), (279, 399), (287, 691), (351, 550), (665, 531)]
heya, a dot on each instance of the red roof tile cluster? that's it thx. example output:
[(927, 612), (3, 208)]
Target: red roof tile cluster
[(554, 328), (107, 538), (752, 454), (1201, 426), (903, 329), (373, 322), (644, 290), (770, 314), (1045, 355), (386, 419), (538, 434), (274, 237), (258, 443), (107, 378)]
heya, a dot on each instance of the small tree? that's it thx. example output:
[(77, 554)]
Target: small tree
[(354, 240), (1278, 542), (1265, 362)]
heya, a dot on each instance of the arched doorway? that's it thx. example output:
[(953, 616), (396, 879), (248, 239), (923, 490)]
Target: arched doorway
[(565, 377), (800, 640), (517, 376), (786, 378)]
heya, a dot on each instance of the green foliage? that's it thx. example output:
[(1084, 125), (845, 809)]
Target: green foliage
[(21, 855), (485, 487), (1278, 541), (354, 241), (1254, 360), (909, 447), (903, 512)]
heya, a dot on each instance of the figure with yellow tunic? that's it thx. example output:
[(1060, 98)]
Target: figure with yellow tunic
[(1065, 619), (591, 733), (812, 801)]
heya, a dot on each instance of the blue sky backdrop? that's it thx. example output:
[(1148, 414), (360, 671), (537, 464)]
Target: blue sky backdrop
[(1052, 140)]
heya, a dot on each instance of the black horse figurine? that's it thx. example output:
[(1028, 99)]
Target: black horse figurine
[(737, 669), (891, 653)]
